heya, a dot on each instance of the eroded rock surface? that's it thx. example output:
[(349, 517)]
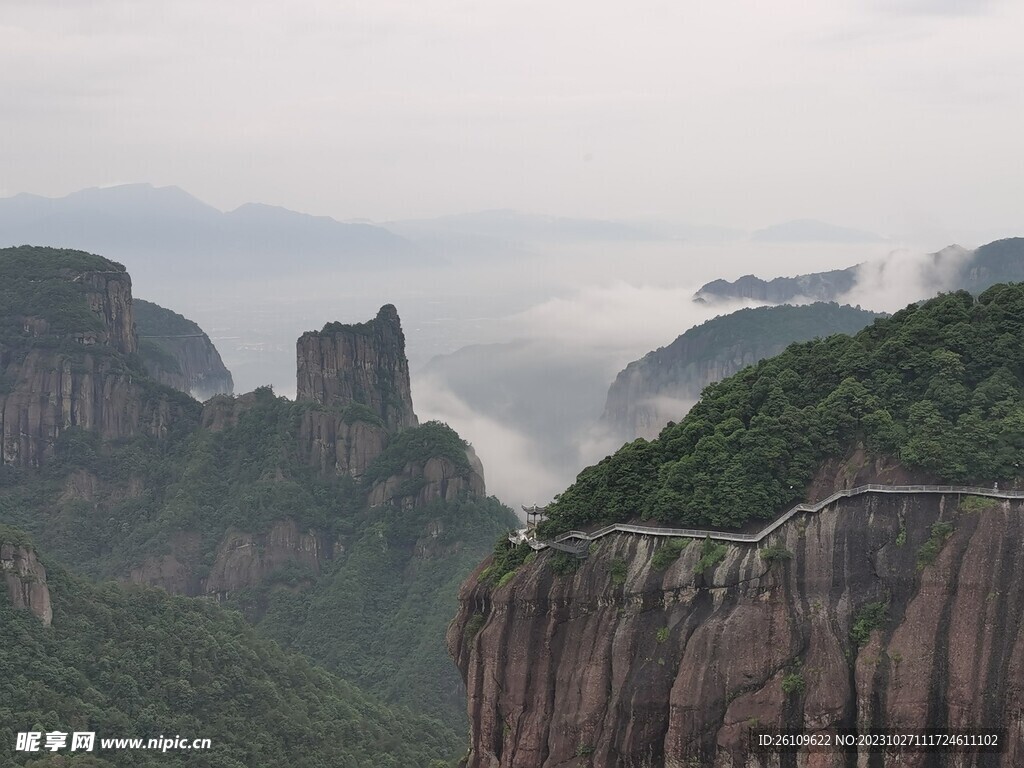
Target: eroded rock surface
[(25, 579), (362, 364), (622, 664), (79, 379)]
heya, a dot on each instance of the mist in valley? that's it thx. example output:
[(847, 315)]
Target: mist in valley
[(516, 324), (515, 348)]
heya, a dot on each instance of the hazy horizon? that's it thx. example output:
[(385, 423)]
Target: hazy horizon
[(689, 136), (896, 117)]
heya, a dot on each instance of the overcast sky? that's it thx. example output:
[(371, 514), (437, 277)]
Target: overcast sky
[(891, 115)]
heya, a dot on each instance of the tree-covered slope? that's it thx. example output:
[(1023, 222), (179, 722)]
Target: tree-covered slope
[(33, 284), (662, 384), (178, 353), (378, 615), (137, 662), (952, 268), (371, 603), (328, 529), (940, 386)]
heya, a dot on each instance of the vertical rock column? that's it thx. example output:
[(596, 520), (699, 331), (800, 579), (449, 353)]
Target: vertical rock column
[(361, 364)]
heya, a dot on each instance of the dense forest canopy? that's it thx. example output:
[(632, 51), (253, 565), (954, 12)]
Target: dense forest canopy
[(377, 612), (758, 328), (939, 385), (372, 600), (33, 283), (136, 662), (153, 320)]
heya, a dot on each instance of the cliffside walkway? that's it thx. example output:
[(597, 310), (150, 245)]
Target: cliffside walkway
[(173, 336), (576, 542)]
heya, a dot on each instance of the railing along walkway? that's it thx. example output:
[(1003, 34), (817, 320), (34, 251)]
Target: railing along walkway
[(582, 538)]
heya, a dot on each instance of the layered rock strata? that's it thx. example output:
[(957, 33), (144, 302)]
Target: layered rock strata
[(51, 382), (362, 364), (880, 611)]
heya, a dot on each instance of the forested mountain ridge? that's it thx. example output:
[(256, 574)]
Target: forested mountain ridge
[(145, 226), (940, 385), (306, 515), (952, 268), (660, 386), (131, 662), (877, 611), (178, 353), (69, 356)]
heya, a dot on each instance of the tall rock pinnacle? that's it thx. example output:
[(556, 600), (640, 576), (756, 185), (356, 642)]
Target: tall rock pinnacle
[(362, 364)]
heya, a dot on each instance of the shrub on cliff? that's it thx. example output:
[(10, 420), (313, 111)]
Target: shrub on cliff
[(940, 385)]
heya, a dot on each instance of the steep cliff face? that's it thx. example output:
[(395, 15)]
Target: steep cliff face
[(880, 611), (109, 295), (178, 353), (1001, 261), (242, 559), (363, 364), (664, 384), (25, 579), (338, 444), (70, 366), (257, 501)]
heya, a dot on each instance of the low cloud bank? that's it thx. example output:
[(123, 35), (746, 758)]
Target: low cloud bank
[(904, 277), (513, 469), (616, 322)]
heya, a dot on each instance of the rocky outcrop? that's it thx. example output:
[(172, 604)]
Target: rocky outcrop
[(1001, 261), (339, 445), (362, 365), (178, 353), (664, 384), (242, 559), (221, 412), (439, 477), (109, 295), (880, 611), (355, 380), (51, 392), (25, 579), (78, 376), (818, 286)]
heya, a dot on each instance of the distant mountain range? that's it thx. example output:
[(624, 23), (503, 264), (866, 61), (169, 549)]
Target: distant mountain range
[(142, 226), (951, 268)]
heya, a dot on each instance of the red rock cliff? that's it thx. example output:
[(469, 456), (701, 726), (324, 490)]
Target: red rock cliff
[(622, 664)]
